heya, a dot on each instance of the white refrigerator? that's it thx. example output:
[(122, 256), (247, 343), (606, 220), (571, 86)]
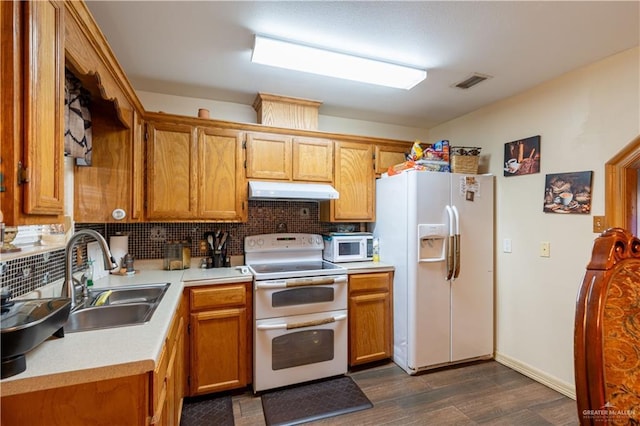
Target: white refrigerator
[(437, 230)]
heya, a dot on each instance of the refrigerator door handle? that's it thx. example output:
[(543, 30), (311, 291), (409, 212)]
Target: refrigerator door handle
[(450, 245), (456, 268)]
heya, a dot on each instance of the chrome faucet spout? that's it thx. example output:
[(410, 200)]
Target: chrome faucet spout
[(68, 287)]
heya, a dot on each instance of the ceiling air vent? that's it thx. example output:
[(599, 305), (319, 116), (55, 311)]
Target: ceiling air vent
[(472, 81)]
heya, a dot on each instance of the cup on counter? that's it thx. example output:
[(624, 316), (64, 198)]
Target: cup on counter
[(566, 198)]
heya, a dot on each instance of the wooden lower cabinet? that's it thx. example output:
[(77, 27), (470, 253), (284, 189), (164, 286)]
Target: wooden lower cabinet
[(150, 398), (370, 317), (220, 337), (167, 386)]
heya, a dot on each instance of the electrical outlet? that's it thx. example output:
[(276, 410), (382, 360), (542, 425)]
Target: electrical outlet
[(598, 224), (545, 249), (304, 213)]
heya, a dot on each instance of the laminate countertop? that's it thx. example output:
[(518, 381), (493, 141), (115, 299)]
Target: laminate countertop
[(88, 356)]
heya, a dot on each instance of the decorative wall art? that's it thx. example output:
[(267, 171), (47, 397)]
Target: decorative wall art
[(568, 193), (522, 157)]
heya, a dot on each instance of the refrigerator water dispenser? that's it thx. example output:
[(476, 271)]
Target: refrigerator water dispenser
[(432, 242)]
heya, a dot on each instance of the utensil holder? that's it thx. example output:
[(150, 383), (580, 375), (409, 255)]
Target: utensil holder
[(218, 260)]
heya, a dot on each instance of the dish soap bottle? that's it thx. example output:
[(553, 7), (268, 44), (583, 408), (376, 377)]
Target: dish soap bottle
[(88, 273)]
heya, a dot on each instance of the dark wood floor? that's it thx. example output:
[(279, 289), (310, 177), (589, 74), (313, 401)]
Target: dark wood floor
[(482, 393)]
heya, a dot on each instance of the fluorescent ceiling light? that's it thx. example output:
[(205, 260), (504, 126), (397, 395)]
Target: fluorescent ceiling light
[(284, 54)]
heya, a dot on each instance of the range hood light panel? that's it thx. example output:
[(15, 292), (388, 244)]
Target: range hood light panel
[(262, 190)]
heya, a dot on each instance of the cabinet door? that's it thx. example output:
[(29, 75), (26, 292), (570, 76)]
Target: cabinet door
[(44, 108), (218, 350), (369, 328), (354, 179), (370, 318), (390, 155), (312, 159), (137, 169), (222, 191), (179, 373), (268, 156), (171, 171)]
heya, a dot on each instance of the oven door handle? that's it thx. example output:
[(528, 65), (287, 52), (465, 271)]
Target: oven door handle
[(300, 283), (312, 323)]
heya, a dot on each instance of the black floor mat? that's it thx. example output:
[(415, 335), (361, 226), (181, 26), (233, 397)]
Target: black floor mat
[(313, 401), (207, 411)]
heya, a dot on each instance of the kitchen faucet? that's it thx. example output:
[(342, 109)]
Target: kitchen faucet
[(68, 287)]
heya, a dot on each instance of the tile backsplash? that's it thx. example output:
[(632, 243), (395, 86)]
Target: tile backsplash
[(22, 275), (146, 240)]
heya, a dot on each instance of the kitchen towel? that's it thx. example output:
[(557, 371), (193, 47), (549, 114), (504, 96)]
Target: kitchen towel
[(119, 246)]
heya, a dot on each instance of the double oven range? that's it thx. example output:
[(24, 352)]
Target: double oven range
[(300, 310)]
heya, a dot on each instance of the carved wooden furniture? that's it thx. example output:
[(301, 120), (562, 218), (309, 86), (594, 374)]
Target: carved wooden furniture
[(607, 333)]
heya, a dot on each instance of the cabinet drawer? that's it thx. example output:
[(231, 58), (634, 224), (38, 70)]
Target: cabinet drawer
[(217, 297), (370, 282)]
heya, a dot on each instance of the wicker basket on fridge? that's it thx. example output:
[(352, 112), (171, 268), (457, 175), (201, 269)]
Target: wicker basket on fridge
[(464, 164)]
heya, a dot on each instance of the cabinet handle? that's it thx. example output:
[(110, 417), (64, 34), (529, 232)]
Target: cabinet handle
[(300, 283), (313, 323)]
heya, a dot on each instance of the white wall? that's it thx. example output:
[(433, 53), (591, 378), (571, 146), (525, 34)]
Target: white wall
[(583, 118), (246, 114)]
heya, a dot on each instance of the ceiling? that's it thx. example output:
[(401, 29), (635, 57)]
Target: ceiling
[(202, 49)]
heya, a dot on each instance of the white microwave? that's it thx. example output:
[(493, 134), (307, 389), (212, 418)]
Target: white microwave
[(348, 247)]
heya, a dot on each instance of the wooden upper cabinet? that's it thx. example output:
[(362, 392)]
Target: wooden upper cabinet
[(32, 90), (171, 171), (312, 159), (44, 108), (222, 191), (354, 179), (268, 156), (115, 178), (137, 172), (390, 155), (109, 183), (194, 172), (276, 156)]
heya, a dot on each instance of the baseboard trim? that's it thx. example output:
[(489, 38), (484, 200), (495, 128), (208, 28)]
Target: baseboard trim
[(554, 383)]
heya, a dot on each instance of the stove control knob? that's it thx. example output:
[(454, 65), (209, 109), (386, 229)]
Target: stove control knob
[(251, 242), (260, 242), (318, 240)]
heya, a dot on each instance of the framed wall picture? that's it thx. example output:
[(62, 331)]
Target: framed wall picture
[(522, 157), (568, 193)]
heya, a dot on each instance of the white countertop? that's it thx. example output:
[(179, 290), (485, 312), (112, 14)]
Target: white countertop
[(88, 356)]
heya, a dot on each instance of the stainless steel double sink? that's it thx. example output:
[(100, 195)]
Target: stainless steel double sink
[(125, 306)]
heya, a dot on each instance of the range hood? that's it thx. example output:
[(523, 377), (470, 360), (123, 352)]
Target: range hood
[(262, 190)]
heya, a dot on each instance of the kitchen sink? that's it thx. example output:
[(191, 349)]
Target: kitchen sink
[(148, 293), (124, 306)]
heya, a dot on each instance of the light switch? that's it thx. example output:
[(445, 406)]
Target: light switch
[(545, 249), (506, 245)]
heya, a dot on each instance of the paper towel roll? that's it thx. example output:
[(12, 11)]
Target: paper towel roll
[(119, 246)]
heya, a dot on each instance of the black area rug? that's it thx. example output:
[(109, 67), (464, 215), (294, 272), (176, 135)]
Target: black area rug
[(313, 401), (207, 411)]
